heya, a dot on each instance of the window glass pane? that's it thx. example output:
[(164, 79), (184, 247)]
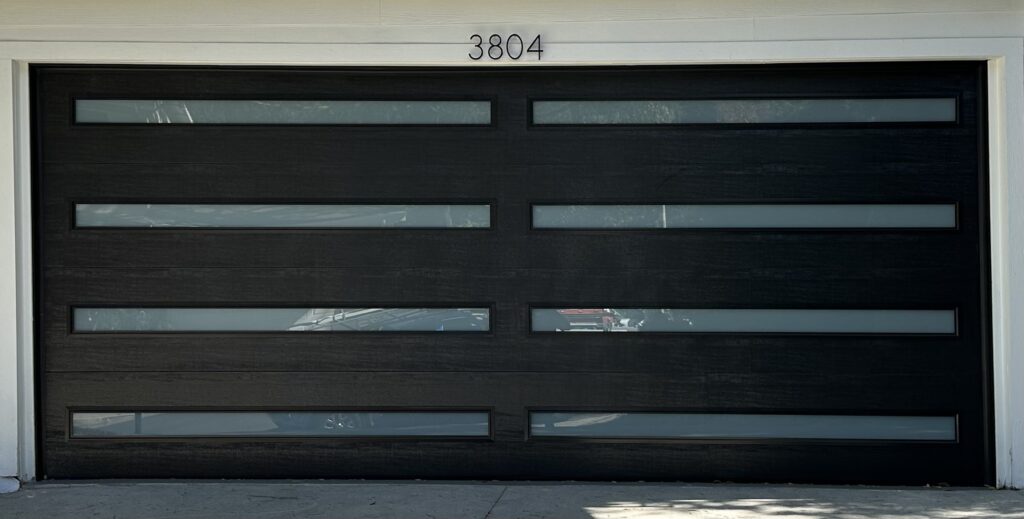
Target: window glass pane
[(742, 426), (283, 216), (169, 320), (741, 321), (745, 111), (251, 111), (300, 423), (750, 216)]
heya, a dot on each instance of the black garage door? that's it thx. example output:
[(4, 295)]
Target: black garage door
[(764, 273)]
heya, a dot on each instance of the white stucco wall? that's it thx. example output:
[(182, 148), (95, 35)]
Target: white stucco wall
[(450, 21), (436, 32)]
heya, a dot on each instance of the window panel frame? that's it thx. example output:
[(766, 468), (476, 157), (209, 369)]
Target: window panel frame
[(490, 307), (955, 96), (491, 100), (954, 204), (71, 410), (73, 220), (669, 306), (712, 440)]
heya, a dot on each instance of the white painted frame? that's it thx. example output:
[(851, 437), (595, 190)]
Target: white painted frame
[(1005, 57)]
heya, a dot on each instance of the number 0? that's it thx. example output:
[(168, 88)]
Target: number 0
[(518, 45)]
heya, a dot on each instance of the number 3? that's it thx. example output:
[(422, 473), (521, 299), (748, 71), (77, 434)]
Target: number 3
[(479, 47)]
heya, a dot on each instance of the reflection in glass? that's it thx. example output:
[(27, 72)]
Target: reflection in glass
[(250, 111), (741, 321), (752, 216), (745, 111), (169, 320), (742, 426), (283, 216), (278, 423)]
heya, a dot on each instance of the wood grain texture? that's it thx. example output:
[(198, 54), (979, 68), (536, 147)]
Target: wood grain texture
[(511, 267)]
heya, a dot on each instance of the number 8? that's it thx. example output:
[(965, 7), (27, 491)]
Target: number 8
[(495, 45)]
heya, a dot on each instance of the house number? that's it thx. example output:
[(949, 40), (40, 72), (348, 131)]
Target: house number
[(497, 47)]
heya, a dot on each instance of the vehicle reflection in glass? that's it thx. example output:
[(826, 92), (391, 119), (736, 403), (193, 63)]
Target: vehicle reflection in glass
[(742, 425), (605, 319), (745, 320), (393, 319), (300, 423), (172, 320)]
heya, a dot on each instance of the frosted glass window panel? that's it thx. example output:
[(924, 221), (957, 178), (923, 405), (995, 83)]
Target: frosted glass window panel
[(746, 216), (742, 426), (170, 320), (745, 111), (279, 423), (252, 111), (679, 320), (295, 216)]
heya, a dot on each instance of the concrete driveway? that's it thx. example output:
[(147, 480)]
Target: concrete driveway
[(494, 500)]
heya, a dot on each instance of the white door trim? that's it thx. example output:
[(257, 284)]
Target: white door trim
[(1005, 57)]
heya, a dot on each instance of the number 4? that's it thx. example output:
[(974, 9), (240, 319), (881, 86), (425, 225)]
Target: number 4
[(535, 47)]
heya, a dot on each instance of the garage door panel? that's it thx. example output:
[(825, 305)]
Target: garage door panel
[(487, 149), (521, 186), (732, 248), (641, 353), (817, 147), (453, 248), (740, 371), (221, 248), (508, 426), (200, 182), (910, 393), (261, 183), (117, 82), (853, 77), (733, 462), (885, 77), (313, 145), (688, 184), (461, 217), (813, 287), (181, 219)]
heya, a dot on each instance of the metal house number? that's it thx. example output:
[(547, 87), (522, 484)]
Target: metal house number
[(497, 47)]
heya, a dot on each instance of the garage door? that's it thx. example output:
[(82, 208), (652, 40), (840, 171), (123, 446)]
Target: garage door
[(763, 273)]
